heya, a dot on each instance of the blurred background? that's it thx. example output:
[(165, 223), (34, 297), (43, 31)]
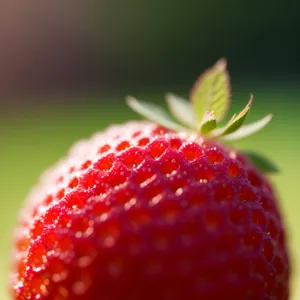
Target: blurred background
[(66, 66)]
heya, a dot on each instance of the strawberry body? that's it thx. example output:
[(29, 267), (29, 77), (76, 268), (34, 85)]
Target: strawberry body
[(141, 212)]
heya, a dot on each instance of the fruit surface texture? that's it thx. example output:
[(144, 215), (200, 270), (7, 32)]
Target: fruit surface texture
[(143, 212)]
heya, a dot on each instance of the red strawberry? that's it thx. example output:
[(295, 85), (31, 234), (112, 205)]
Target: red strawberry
[(144, 212)]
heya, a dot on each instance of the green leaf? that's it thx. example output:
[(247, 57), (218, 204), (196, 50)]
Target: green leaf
[(154, 113), (209, 123), (235, 122), (211, 92), (248, 129), (181, 110), (261, 162)]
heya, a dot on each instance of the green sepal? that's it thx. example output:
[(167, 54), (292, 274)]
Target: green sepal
[(248, 129), (235, 122), (208, 123), (261, 162), (181, 110), (211, 92), (154, 113)]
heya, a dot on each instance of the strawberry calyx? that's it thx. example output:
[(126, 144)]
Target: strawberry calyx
[(209, 103)]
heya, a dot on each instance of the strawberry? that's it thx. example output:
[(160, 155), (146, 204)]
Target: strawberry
[(156, 210)]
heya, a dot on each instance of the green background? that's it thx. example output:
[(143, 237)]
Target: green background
[(34, 137)]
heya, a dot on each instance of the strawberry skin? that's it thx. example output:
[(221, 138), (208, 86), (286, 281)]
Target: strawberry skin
[(141, 212)]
